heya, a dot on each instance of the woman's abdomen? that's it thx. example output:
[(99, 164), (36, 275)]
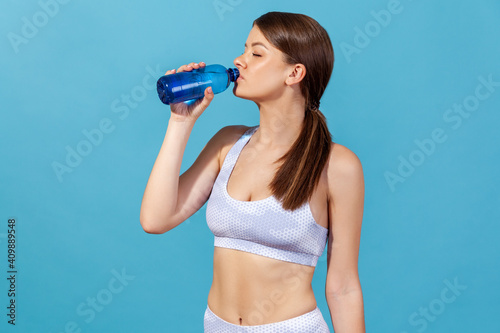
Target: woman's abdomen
[(250, 289)]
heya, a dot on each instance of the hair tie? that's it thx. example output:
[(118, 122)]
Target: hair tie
[(314, 106)]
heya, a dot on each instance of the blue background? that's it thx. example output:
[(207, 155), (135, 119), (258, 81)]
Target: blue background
[(73, 71)]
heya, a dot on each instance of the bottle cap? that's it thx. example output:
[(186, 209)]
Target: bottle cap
[(234, 73)]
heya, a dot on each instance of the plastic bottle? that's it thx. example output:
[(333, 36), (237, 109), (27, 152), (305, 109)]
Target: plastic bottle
[(185, 86)]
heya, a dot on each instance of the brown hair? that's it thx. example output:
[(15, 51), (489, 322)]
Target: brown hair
[(302, 40)]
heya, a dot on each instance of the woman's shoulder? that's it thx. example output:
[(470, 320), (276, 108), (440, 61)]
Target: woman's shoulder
[(228, 136), (343, 165), (342, 158), (231, 133)]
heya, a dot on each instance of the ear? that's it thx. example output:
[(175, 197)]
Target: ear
[(296, 73)]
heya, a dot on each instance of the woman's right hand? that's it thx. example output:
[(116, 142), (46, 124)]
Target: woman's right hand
[(183, 112)]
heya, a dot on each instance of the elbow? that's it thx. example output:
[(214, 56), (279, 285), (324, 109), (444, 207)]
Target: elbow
[(156, 222), (349, 296), (339, 294), (148, 228), (151, 230), (148, 225), (337, 291)]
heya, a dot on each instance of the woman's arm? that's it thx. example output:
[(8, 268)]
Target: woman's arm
[(159, 202), (169, 199), (345, 204)]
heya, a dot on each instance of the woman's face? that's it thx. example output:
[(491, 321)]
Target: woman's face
[(262, 70)]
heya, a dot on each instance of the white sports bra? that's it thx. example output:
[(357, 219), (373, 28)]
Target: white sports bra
[(262, 227)]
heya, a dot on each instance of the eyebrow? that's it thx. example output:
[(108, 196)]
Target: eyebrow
[(257, 43)]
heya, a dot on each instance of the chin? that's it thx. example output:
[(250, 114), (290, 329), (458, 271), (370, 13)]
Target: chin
[(237, 93)]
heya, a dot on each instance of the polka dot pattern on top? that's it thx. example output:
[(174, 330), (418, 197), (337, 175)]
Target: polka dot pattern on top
[(262, 227)]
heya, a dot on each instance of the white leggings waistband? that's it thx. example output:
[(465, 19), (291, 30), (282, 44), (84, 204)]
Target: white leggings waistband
[(310, 322)]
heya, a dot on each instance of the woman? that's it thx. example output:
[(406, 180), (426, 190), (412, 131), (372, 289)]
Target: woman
[(276, 192)]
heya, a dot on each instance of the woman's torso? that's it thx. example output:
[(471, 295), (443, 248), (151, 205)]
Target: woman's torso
[(250, 289)]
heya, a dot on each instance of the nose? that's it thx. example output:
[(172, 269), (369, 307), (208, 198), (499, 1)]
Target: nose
[(239, 62)]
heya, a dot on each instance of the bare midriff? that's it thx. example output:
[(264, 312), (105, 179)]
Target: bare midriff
[(250, 289)]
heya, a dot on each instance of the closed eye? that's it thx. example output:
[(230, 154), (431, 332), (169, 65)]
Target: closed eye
[(254, 54)]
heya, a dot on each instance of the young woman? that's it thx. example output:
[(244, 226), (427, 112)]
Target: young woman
[(276, 192)]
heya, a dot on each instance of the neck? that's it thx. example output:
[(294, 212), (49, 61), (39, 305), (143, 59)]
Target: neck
[(280, 124)]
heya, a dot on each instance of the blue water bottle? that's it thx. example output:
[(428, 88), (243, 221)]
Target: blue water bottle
[(185, 86)]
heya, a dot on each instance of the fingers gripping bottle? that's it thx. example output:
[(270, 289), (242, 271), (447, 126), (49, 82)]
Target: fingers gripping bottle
[(185, 86)]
